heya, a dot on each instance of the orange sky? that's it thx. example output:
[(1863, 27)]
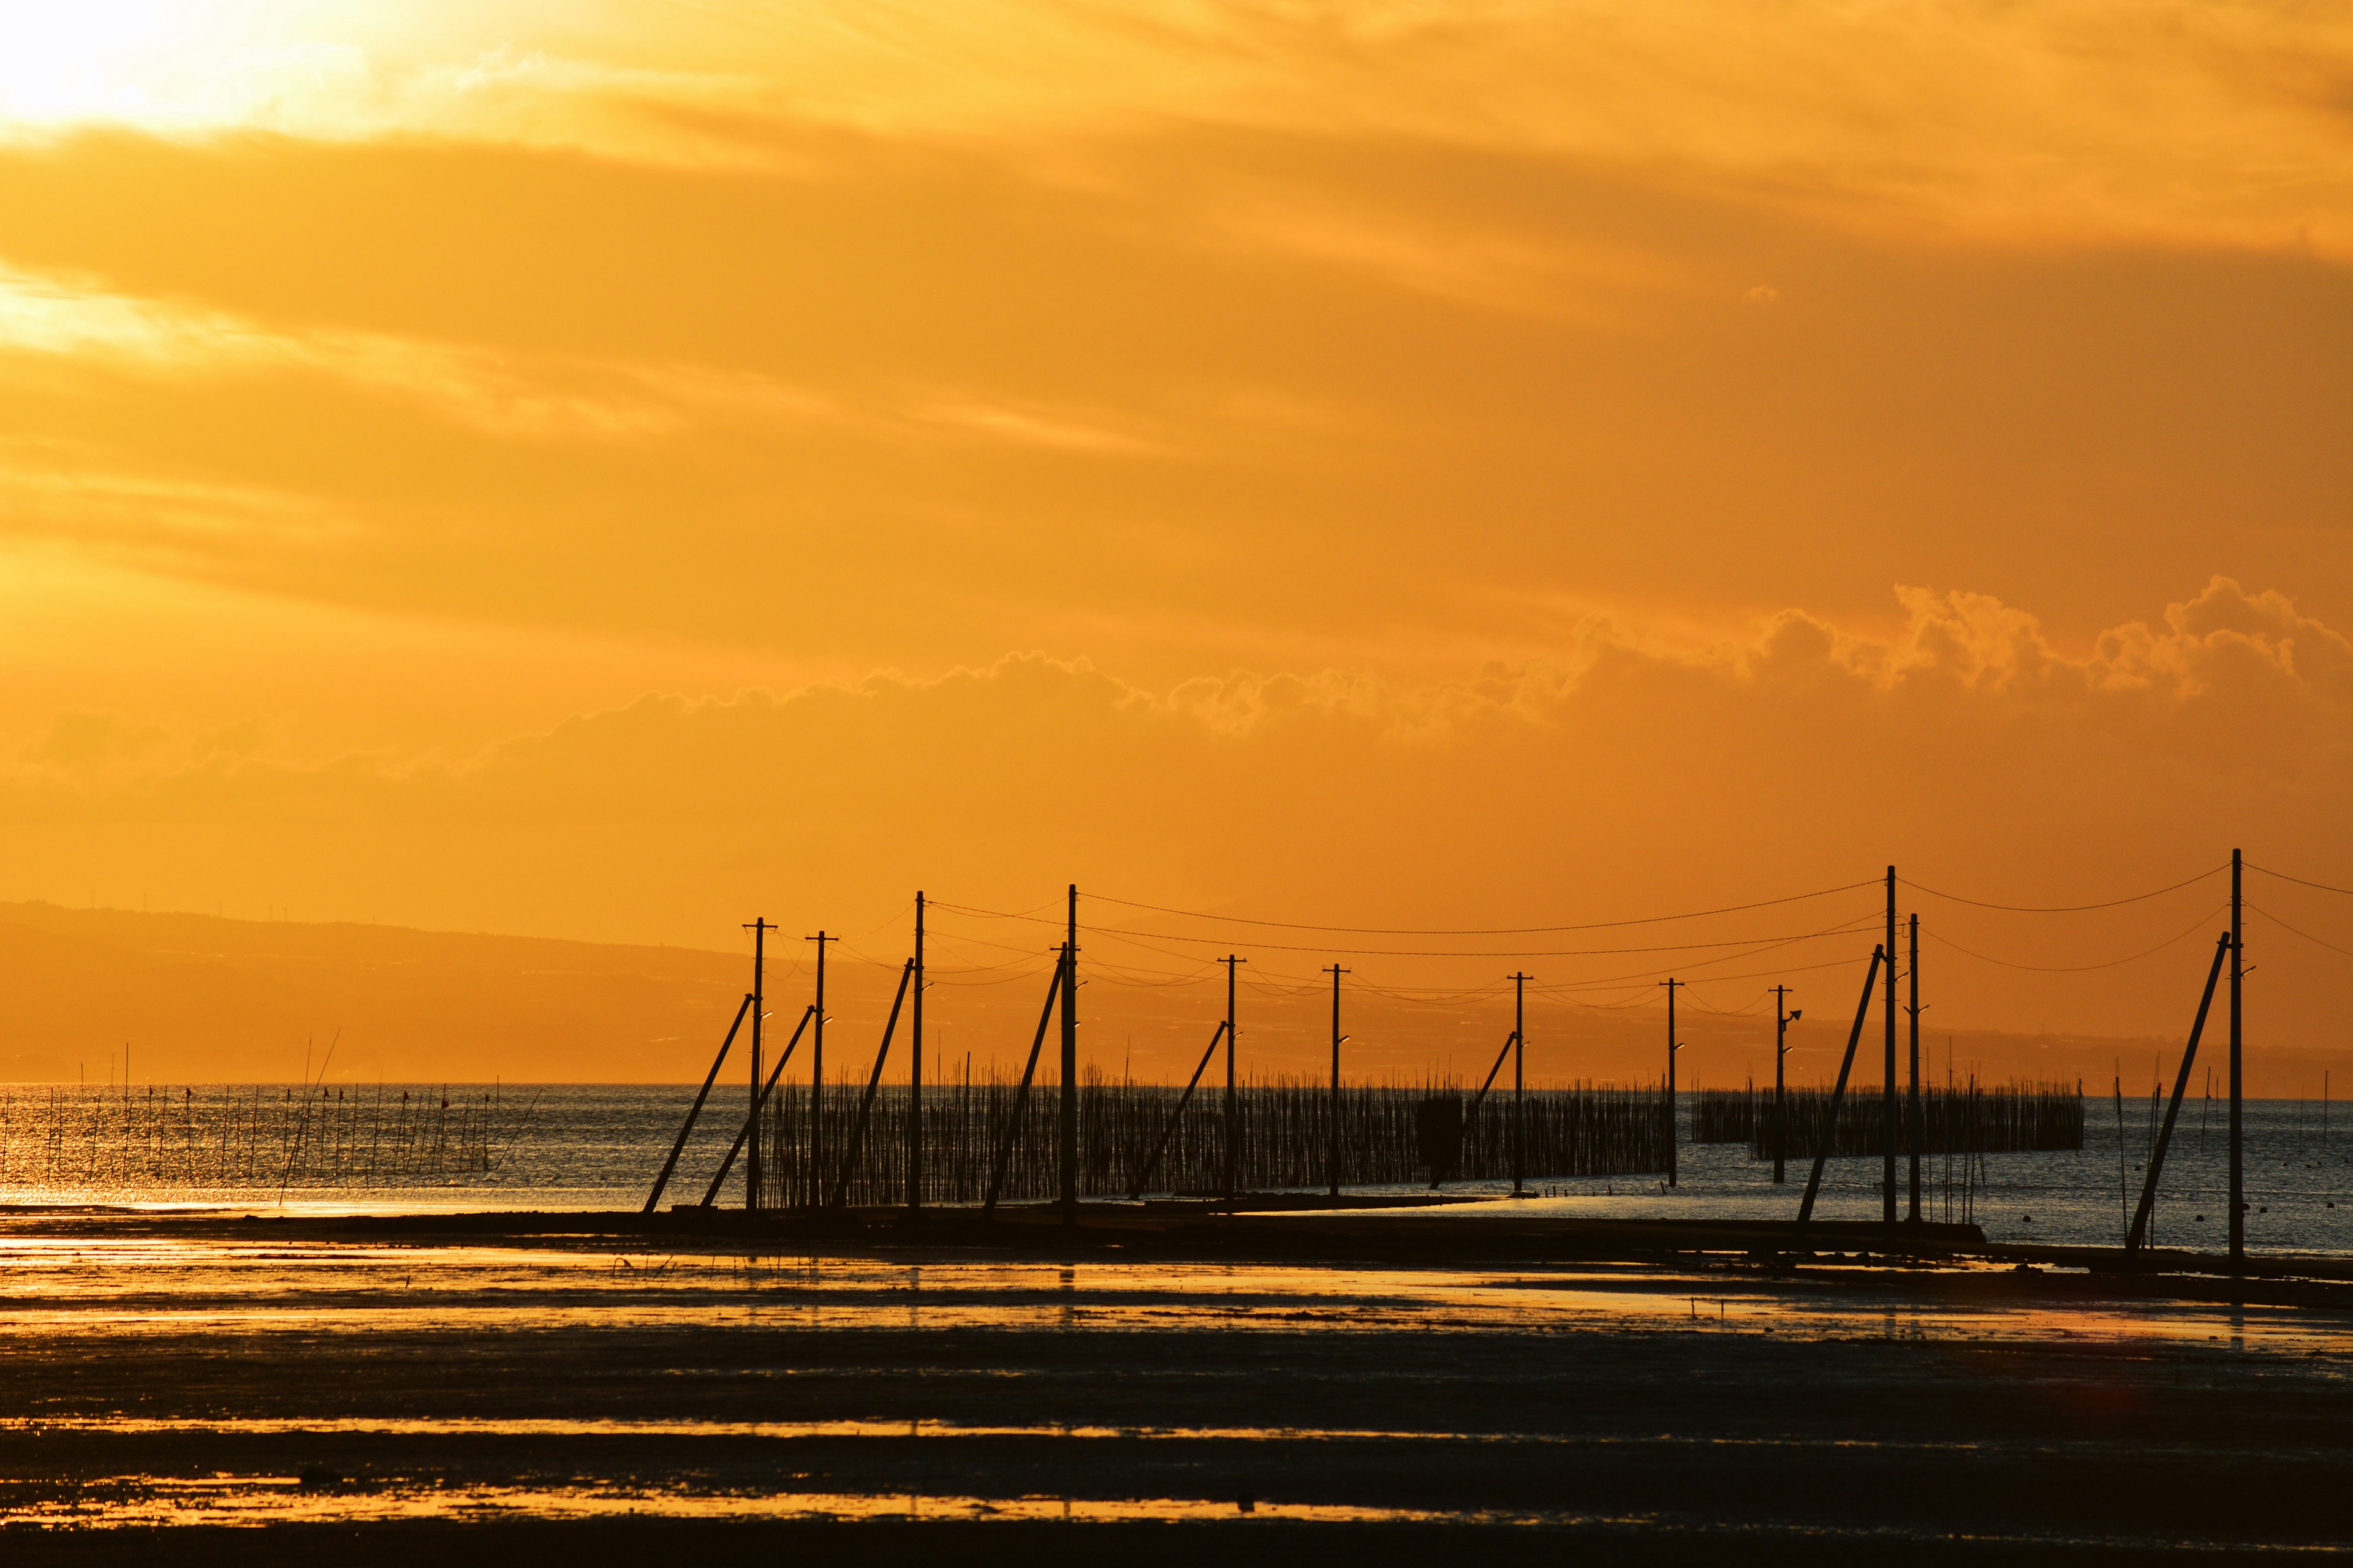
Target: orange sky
[(607, 470)]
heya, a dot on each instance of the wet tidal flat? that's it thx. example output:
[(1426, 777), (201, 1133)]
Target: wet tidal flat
[(254, 1390)]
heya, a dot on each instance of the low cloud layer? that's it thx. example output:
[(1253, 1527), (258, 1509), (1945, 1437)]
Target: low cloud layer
[(1622, 778)]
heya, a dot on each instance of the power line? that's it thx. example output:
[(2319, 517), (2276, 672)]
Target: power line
[(2058, 908), (1486, 930), (2081, 968), (2306, 934), (2299, 881)]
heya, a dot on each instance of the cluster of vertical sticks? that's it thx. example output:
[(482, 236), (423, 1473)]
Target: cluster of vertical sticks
[(223, 1135), (825, 1178)]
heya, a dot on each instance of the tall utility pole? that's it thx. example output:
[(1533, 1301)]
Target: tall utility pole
[(915, 1074), (1887, 1103), (817, 1079), (1070, 1131), (1519, 1079), (2238, 1166), (759, 930), (1782, 1018), (1913, 1121), (1673, 1047), (1233, 1121), (1331, 1139)]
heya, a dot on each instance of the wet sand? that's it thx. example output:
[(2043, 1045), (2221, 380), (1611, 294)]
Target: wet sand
[(269, 1390)]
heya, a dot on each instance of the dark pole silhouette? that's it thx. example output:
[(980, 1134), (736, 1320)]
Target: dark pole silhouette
[(817, 1079), (857, 1135), (1069, 1141), (1828, 1136), (711, 1194), (1233, 1118), (1912, 1121), (1519, 1079), (1673, 1047), (2238, 1165), (759, 928), (709, 1078), (1021, 1095), (2138, 1236), (1887, 1094), (1332, 1138), (1160, 1145), (1782, 1019), (916, 1072)]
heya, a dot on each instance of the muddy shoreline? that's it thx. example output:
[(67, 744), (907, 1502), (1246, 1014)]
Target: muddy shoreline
[(506, 1384)]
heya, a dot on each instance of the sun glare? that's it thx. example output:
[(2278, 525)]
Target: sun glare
[(159, 64)]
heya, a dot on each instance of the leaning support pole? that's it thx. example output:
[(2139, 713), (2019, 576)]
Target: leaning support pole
[(711, 1078), (743, 1133), (1143, 1173), (2137, 1236), (874, 1082), (1501, 1057), (1846, 1066), (1021, 1095)]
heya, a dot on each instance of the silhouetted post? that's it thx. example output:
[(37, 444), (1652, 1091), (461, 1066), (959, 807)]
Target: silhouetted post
[(2137, 1234), (1887, 1092), (2238, 1167), (1781, 1020), (1233, 1118), (915, 1073), (1913, 1121), (1070, 1130), (1332, 1138), (1673, 1047), (1519, 1079), (817, 1079), (759, 930), (1829, 1139)]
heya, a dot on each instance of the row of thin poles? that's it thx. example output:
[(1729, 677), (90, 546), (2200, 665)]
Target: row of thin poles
[(227, 1136)]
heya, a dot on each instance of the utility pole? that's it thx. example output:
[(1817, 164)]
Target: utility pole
[(817, 1079), (1519, 1079), (1887, 1080), (1915, 1121), (1673, 1047), (1331, 1139), (759, 928), (1782, 1019), (1233, 1121), (1070, 1130), (2238, 1166), (915, 1074)]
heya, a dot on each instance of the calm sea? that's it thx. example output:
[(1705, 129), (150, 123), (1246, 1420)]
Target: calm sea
[(418, 1147)]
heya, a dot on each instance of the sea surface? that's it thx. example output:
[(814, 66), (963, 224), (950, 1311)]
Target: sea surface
[(484, 1147)]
